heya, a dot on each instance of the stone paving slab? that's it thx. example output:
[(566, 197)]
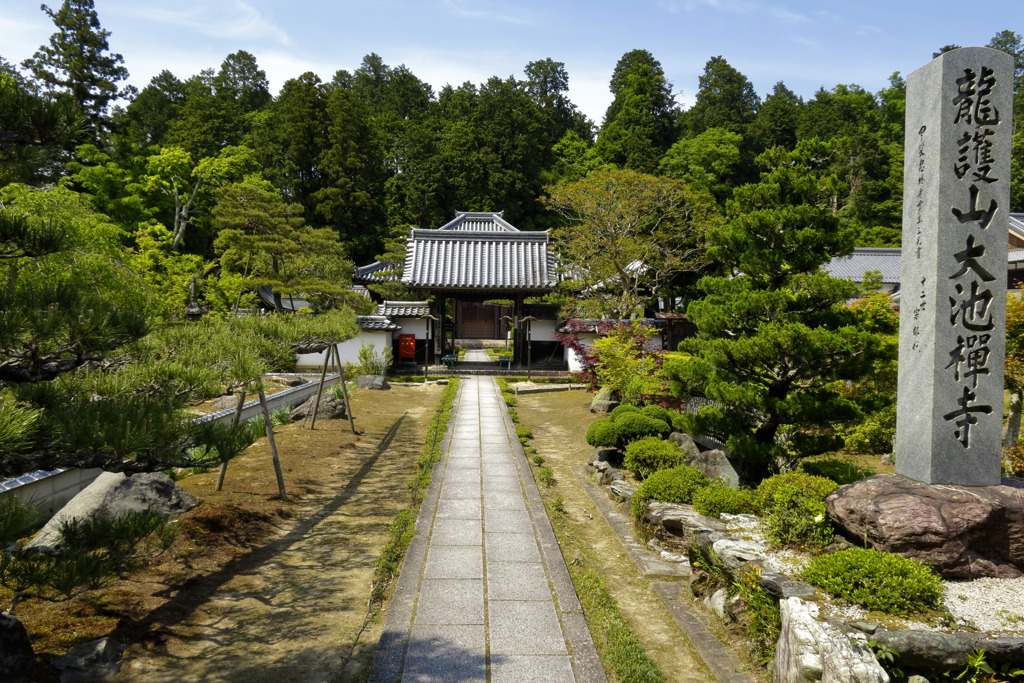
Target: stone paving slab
[(484, 594)]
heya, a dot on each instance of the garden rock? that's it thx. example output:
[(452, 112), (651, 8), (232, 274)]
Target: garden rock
[(113, 494), (783, 587), (605, 400), (738, 557), (330, 408), (375, 382), (679, 520), (97, 660), (716, 465), (813, 650), (963, 532), (16, 655), (926, 650), (621, 489), (611, 475), (228, 401), (686, 444)]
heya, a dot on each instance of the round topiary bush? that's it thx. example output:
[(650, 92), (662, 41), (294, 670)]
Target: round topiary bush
[(715, 499), (658, 413), (876, 580), (793, 509), (603, 433), (675, 485), (622, 410), (633, 426), (650, 454)]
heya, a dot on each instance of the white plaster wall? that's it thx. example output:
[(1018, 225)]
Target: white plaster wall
[(543, 330), (415, 326), (348, 350), (572, 359)]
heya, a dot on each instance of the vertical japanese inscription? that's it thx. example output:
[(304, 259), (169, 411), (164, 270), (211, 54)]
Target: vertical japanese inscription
[(974, 120), (953, 298)]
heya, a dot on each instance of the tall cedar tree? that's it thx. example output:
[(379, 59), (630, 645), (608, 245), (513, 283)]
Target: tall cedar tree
[(639, 125), (78, 61), (775, 333), (725, 99)]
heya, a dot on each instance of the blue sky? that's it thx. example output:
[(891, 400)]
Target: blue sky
[(804, 43)]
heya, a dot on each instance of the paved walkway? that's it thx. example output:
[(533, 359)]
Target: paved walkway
[(484, 594)]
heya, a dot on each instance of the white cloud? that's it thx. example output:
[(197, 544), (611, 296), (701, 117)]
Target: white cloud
[(787, 16), (475, 9), (217, 18)]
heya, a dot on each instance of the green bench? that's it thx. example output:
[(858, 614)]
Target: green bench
[(505, 362), (451, 360)]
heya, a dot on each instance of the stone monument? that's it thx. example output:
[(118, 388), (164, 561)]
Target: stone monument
[(956, 205)]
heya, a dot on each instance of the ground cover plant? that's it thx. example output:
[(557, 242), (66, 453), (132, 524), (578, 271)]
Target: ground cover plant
[(877, 581)]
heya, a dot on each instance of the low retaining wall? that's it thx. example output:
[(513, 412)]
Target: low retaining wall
[(50, 490)]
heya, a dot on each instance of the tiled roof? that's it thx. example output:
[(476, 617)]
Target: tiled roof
[(480, 221), (370, 273), (863, 259), (446, 259), (1017, 223), (601, 325), (404, 309), (376, 322)]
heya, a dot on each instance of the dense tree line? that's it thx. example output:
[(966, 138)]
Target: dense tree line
[(376, 149)]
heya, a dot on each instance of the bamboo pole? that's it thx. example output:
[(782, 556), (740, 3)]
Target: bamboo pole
[(344, 388), (273, 444), (234, 423), (320, 389)]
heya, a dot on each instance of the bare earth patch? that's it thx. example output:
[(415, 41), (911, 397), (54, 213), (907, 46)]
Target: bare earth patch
[(256, 588), (559, 421)]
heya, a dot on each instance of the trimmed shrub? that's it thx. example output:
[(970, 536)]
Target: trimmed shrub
[(622, 410), (675, 485), (650, 454), (793, 509), (841, 472), (658, 413), (678, 422), (633, 426), (817, 487), (603, 433), (715, 499), (876, 580)]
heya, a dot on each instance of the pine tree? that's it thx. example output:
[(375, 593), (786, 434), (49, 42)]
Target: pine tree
[(775, 334)]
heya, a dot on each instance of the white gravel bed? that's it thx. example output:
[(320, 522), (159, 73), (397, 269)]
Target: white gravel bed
[(993, 606)]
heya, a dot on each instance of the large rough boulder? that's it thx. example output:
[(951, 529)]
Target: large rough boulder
[(330, 408), (810, 649), (604, 401), (16, 656), (965, 532), (717, 465), (374, 382), (113, 494), (97, 660), (686, 444)]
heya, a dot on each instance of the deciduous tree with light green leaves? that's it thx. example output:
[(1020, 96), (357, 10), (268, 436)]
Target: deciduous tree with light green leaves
[(627, 235), (775, 331)]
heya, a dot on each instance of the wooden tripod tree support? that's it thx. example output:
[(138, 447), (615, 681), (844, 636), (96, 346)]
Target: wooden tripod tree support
[(273, 444), (238, 416), (344, 388), (320, 389)]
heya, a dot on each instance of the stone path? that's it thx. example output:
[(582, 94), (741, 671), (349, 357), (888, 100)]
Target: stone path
[(484, 594)]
